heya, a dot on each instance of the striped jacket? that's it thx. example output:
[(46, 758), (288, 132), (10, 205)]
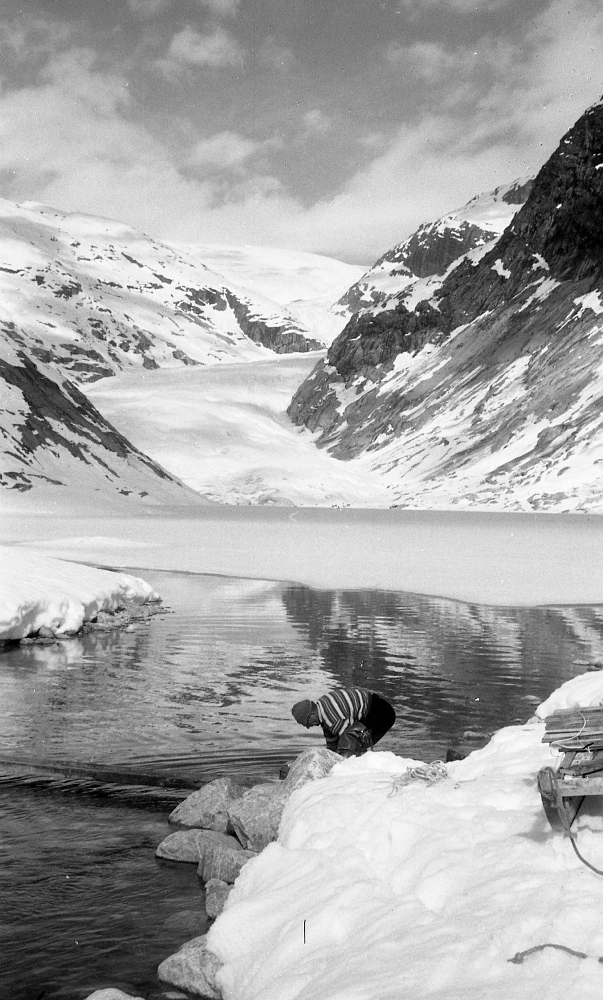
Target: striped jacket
[(340, 709)]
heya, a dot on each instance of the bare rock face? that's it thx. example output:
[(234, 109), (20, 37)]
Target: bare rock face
[(255, 817), (193, 968), (310, 766), (207, 809), (223, 862), (216, 893), (192, 845)]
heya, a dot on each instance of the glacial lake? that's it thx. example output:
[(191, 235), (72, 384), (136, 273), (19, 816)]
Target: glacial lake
[(205, 689)]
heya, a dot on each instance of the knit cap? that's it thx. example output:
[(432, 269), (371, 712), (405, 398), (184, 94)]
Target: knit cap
[(301, 711)]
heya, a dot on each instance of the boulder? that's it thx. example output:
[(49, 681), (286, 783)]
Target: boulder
[(220, 861), (256, 815), (191, 845), (207, 809), (193, 968), (216, 893), (310, 766)]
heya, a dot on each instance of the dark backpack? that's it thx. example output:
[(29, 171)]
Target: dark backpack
[(355, 741)]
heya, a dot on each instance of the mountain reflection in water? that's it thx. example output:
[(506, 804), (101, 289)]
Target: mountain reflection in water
[(212, 679), (205, 689)]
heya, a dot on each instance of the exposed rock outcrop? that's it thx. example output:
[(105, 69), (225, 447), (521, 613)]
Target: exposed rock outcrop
[(207, 809), (223, 862), (476, 383), (216, 893), (193, 845), (193, 968)]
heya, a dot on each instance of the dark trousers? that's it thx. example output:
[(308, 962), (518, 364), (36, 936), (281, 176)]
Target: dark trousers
[(380, 717)]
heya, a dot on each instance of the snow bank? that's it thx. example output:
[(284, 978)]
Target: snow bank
[(37, 591), (380, 889)]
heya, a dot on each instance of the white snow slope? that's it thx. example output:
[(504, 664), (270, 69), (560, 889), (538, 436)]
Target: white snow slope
[(307, 284), (36, 591), (382, 886), (223, 430), (92, 297)]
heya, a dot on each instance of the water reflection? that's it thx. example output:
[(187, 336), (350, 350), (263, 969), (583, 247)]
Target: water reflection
[(216, 674)]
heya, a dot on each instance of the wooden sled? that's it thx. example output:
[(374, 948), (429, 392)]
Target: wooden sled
[(578, 734)]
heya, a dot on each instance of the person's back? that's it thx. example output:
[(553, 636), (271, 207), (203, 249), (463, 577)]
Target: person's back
[(341, 709)]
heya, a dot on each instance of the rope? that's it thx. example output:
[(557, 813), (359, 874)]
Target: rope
[(429, 773), (520, 955)]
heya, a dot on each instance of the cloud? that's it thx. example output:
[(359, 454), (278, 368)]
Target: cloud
[(273, 55), (193, 48), (316, 121), (149, 8), (76, 141), (223, 150)]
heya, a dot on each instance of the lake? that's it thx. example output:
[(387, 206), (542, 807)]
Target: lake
[(204, 689)]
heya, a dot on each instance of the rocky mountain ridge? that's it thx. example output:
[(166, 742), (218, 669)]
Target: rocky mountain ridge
[(486, 387), (434, 247), (92, 297), (53, 436)]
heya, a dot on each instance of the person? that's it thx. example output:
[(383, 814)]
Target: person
[(347, 710)]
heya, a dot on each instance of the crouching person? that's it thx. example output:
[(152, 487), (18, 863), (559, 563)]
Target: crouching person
[(352, 719)]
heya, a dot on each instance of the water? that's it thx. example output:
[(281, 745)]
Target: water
[(205, 689)]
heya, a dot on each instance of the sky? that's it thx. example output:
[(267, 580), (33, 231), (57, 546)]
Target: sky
[(334, 126)]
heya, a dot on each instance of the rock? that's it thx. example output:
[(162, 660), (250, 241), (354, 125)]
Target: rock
[(222, 862), (310, 766), (256, 815), (207, 809), (216, 893), (46, 633), (187, 921), (111, 994), (193, 968), (191, 845)]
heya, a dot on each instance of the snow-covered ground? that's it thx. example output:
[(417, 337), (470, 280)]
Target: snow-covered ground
[(37, 591), (223, 430), (382, 886), (498, 559)]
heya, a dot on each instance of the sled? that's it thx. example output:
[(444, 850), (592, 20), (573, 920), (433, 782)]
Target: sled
[(578, 734)]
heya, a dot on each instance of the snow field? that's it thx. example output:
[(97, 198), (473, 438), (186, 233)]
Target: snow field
[(379, 889), (37, 591)]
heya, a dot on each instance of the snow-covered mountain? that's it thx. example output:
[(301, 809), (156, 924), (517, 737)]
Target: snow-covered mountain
[(91, 297), (434, 247), (485, 386), (53, 437)]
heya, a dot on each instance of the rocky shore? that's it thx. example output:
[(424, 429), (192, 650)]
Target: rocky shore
[(127, 617), (221, 828)]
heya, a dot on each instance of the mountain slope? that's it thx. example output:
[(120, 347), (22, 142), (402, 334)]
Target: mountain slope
[(435, 246), (92, 297), (55, 440), (489, 388)]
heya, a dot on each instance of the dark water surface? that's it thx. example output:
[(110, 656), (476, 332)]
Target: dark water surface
[(205, 689)]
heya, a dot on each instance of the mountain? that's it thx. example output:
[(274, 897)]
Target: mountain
[(306, 284), (56, 441), (435, 246), (91, 297), (486, 387)]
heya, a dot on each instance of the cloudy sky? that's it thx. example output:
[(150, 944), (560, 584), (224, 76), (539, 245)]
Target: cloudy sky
[(328, 125)]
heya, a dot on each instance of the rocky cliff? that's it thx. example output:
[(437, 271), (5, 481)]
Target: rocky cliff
[(485, 386), (53, 436), (434, 247)]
